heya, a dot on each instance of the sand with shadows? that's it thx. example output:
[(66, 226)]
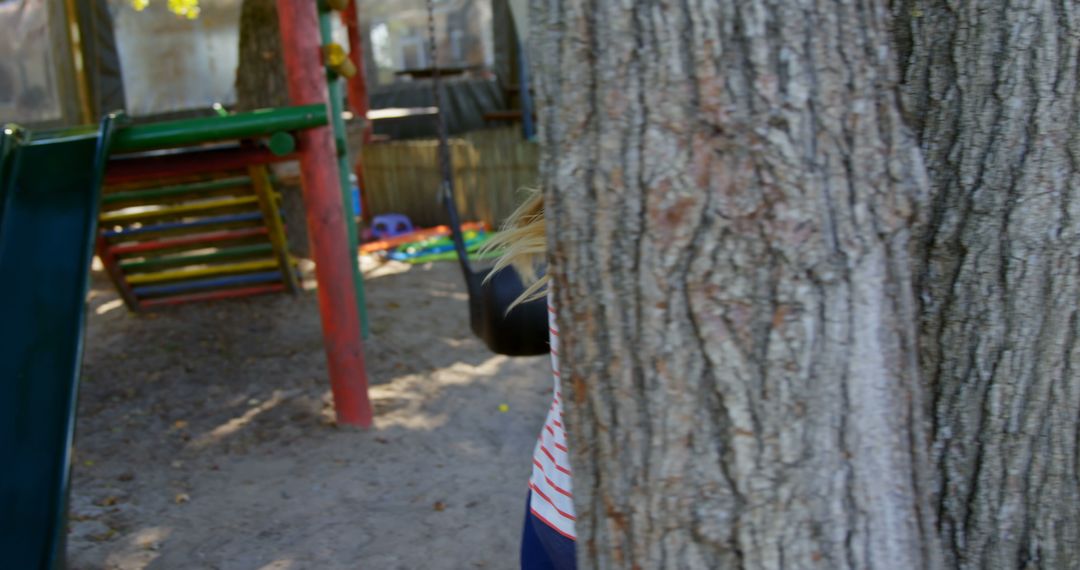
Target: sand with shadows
[(205, 437)]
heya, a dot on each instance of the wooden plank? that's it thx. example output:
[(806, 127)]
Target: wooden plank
[(205, 284), (220, 193), (192, 249), (264, 191), (174, 192), (112, 269), (158, 167), (185, 210), (159, 181), (198, 239), (132, 267), (203, 224), (171, 230), (194, 272), (213, 295)]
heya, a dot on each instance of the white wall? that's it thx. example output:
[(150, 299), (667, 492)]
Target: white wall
[(172, 63)]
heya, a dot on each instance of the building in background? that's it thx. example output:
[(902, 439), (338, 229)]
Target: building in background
[(142, 57), (53, 74), (397, 37), (173, 64)]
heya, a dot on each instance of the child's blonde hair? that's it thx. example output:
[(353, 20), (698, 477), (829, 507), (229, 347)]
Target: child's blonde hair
[(523, 241)]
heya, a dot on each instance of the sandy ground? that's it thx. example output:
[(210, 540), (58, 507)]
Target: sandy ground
[(206, 440)]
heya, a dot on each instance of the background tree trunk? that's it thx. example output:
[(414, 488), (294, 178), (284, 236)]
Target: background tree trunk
[(992, 89), (260, 76), (729, 188), (261, 83)]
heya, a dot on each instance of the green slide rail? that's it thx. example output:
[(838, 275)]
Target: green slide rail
[(184, 132), (49, 191)]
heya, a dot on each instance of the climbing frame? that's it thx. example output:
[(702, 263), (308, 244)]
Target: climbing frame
[(195, 238)]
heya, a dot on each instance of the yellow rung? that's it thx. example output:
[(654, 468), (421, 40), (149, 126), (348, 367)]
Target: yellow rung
[(202, 271), (186, 209)]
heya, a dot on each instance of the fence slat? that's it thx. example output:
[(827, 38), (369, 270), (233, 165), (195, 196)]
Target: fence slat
[(490, 169)]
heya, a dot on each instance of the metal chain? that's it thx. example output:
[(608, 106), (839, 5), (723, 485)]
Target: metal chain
[(446, 189), (440, 117)]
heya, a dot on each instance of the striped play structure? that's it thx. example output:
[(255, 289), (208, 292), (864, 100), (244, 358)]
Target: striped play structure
[(195, 238)]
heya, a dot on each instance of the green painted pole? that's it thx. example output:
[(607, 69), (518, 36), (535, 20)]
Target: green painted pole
[(337, 107), (180, 260), (175, 190), (241, 125), (187, 132)]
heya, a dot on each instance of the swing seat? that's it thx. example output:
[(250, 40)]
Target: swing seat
[(521, 331)]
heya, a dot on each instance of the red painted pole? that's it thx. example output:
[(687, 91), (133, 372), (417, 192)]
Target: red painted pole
[(212, 237), (358, 96), (326, 218), (124, 170)]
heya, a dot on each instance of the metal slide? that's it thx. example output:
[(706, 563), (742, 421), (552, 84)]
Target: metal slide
[(49, 190)]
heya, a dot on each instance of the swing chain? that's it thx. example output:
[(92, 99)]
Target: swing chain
[(440, 117), (446, 189)]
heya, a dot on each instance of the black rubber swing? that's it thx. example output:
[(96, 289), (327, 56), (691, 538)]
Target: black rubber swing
[(521, 331)]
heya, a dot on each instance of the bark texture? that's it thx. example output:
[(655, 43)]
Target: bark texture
[(261, 84), (992, 90), (729, 188), (260, 76)]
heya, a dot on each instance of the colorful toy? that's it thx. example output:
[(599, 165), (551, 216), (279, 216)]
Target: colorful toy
[(390, 225), (434, 245), (442, 249), (451, 256), (385, 244)]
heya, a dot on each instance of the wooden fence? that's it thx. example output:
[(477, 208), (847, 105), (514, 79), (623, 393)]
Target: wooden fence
[(492, 170)]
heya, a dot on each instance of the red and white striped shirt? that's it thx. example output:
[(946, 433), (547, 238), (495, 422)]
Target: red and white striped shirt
[(552, 501)]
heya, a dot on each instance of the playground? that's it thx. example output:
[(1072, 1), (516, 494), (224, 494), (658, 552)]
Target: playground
[(223, 348), (206, 435)]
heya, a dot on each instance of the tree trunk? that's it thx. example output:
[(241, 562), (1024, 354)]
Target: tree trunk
[(260, 77), (992, 89), (261, 83), (729, 188)]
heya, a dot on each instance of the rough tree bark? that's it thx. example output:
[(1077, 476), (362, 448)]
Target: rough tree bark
[(992, 91), (729, 188), (260, 77), (261, 83)]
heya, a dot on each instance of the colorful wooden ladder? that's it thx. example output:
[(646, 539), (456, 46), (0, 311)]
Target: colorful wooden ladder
[(195, 238)]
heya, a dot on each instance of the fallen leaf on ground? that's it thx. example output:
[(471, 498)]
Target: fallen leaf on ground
[(103, 536)]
